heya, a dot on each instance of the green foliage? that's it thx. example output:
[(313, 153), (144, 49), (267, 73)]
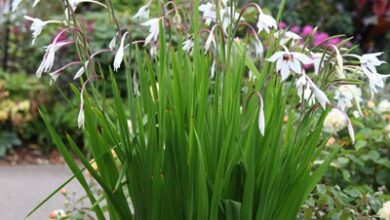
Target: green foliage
[(8, 140), (353, 202)]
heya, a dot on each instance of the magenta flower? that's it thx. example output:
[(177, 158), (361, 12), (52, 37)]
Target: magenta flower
[(282, 25), (319, 38), (307, 30), (334, 41), (296, 29)]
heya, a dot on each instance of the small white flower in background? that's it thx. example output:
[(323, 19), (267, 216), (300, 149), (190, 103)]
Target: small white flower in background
[(345, 94), (334, 121), (212, 75), (36, 2), (384, 106), (57, 214), (81, 71), (142, 13), (130, 127), (81, 117), (376, 81), (259, 49), (188, 45), (289, 61), (54, 75), (318, 62), (286, 36), (210, 40), (370, 61), (112, 43), (304, 91), (48, 58), (38, 25), (261, 122), (209, 12), (308, 91), (337, 120), (227, 14), (154, 30), (120, 53), (265, 22), (384, 212), (319, 94), (15, 4), (153, 50)]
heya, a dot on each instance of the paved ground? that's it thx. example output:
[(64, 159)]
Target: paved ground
[(23, 187)]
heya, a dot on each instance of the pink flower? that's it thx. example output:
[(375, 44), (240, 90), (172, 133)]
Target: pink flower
[(307, 30), (334, 41), (282, 25), (319, 38), (296, 29)]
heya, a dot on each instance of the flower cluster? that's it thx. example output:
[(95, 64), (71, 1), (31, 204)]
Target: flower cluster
[(294, 62)]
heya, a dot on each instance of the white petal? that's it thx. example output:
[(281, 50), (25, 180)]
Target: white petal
[(120, 53), (303, 58), (276, 56), (81, 71), (261, 122), (285, 70)]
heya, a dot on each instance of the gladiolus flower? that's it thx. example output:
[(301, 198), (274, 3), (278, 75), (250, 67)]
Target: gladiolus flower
[(120, 53), (289, 61), (154, 30)]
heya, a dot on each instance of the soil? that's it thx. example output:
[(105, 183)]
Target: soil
[(30, 155)]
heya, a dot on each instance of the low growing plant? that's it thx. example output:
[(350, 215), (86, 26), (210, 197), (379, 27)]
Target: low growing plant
[(210, 125)]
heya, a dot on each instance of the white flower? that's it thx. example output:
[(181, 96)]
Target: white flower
[(265, 23), (48, 58), (308, 91), (345, 94), (210, 39), (120, 53), (229, 15), (370, 61), (259, 49), (36, 2), (376, 81), (154, 30), (212, 75), (261, 122), (153, 50), (142, 13), (112, 43), (54, 75), (209, 12), (286, 36), (188, 45), (81, 117), (384, 106), (37, 26), (81, 71), (319, 94), (334, 121), (289, 61), (304, 91), (15, 4), (318, 59), (384, 212)]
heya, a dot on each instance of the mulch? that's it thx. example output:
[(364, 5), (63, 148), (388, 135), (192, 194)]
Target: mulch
[(30, 155)]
